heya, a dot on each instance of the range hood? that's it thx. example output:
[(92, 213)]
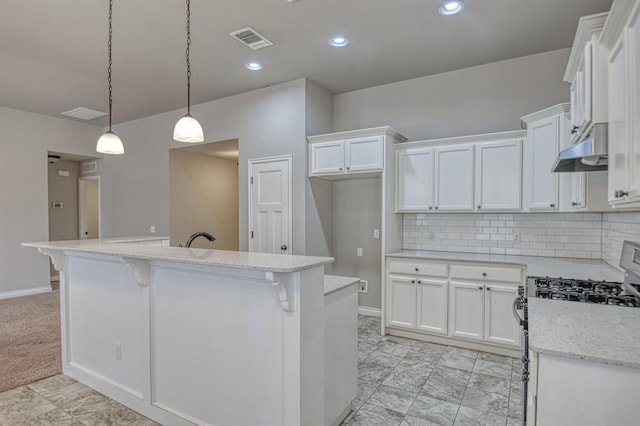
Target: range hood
[(588, 155)]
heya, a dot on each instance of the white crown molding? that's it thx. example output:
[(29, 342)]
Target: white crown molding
[(619, 16), (487, 137), (362, 133), (563, 108), (588, 26)]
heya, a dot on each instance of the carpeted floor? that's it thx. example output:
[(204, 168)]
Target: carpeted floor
[(29, 339)]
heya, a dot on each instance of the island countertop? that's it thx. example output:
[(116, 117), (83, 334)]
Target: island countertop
[(222, 258), (588, 331)]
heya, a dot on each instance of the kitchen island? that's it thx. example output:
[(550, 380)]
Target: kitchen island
[(194, 336)]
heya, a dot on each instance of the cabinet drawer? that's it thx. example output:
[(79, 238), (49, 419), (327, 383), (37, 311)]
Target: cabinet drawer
[(487, 273), (419, 268)]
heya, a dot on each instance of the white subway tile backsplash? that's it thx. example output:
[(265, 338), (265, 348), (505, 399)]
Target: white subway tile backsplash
[(616, 228), (540, 234)]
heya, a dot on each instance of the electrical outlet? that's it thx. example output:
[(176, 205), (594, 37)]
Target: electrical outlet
[(152, 229), (376, 234), (363, 287), (118, 350), (516, 238), (359, 251)]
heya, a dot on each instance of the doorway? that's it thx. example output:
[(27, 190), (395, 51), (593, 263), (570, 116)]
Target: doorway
[(203, 194), (89, 207), (270, 221)]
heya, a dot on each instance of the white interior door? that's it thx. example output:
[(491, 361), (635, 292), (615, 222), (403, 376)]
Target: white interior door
[(270, 188), (89, 207)]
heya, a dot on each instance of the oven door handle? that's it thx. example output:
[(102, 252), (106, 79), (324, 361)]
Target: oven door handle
[(515, 311)]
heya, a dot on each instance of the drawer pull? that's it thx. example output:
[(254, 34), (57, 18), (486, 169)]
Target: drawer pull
[(488, 288), (413, 281), (416, 269), (484, 274), (419, 282), (480, 288)]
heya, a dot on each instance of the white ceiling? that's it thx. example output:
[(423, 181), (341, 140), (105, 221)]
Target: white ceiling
[(53, 53)]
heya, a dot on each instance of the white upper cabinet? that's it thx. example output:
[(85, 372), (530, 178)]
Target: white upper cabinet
[(344, 154), (327, 157), (587, 73), (498, 183), (468, 173), (541, 151), (364, 154), (414, 182), (578, 190), (622, 35), (454, 178)]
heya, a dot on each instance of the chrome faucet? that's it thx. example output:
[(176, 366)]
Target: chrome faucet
[(206, 235)]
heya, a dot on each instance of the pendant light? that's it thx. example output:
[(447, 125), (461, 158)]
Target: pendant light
[(187, 128), (109, 142)]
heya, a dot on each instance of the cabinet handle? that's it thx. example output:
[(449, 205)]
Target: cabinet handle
[(480, 288), (413, 281), (484, 274), (552, 205), (574, 130), (419, 282), (416, 269), (436, 207), (573, 203), (488, 288), (430, 207), (623, 193), (348, 168), (340, 168), (479, 207)]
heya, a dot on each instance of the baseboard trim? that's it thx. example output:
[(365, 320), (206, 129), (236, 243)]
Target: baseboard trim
[(370, 312), (25, 292), (55, 278)]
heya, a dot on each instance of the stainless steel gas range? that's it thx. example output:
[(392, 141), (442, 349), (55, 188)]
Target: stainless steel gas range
[(626, 293)]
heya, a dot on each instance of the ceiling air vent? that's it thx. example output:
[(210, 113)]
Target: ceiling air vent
[(83, 113), (250, 37)]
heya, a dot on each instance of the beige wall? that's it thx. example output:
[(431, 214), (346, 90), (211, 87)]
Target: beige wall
[(24, 214), (357, 211), (92, 205), (266, 122), (203, 197), (63, 223), (482, 99)]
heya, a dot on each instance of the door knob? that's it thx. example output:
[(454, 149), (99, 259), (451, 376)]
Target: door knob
[(283, 247)]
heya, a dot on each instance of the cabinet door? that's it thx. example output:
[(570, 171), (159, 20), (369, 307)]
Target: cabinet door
[(401, 299), (466, 310), (499, 175), (327, 157), (587, 83), (414, 179), (364, 154), (543, 142), (454, 178), (634, 116), (574, 108), (500, 326), (578, 190), (618, 122), (432, 305)]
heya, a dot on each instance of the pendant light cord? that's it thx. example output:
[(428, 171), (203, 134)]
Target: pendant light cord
[(188, 62), (109, 67)]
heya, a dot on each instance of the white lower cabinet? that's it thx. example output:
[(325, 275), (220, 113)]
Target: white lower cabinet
[(460, 301), (401, 302), (500, 326), (466, 310), (432, 305)]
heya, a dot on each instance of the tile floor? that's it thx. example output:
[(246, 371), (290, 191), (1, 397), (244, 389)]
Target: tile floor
[(411, 383), (400, 382)]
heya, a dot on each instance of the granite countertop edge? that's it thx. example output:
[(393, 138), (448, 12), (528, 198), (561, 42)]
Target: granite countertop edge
[(334, 283), (219, 258)]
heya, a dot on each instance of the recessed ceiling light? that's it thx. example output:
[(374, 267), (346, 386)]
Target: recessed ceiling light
[(339, 41), (451, 7), (253, 66)]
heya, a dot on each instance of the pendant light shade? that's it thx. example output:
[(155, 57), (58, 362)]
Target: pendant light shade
[(187, 128), (109, 142)]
